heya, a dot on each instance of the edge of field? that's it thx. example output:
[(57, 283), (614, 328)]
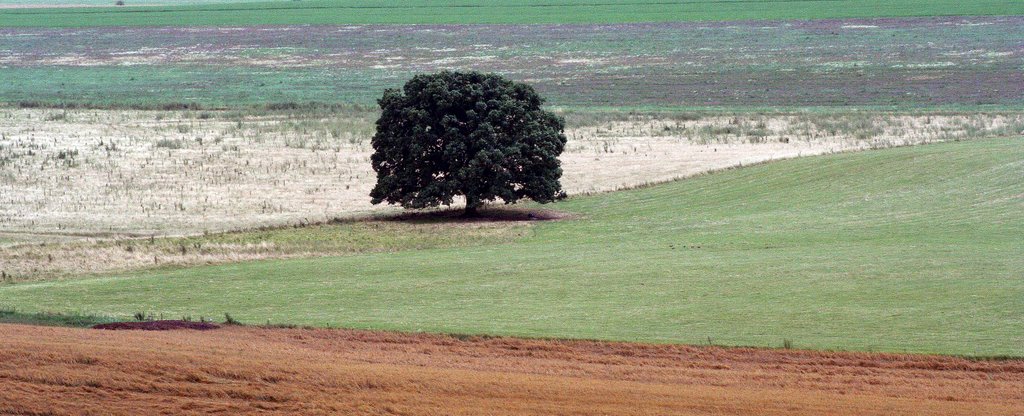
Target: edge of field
[(10, 316), (508, 11)]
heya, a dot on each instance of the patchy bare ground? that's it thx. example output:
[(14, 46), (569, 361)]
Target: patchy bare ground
[(101, 173), (46, 260), (288, 371)]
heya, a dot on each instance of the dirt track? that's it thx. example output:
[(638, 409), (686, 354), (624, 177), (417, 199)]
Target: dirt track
[(246, 370)]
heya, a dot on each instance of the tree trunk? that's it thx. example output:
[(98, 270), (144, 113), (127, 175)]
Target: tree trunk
[(472, 203)]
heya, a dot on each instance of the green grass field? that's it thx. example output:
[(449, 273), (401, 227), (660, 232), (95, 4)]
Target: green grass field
[(911, 249), (11, 316), (502, 11), (79, 3)]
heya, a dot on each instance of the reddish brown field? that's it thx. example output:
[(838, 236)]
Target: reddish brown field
[(248, 370)]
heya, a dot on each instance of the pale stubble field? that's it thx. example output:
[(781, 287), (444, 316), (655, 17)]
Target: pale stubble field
[(77, 186), (141, 173)]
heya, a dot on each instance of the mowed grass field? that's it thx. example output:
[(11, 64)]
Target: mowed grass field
[(912, 249), (80, 3), (502, 11)]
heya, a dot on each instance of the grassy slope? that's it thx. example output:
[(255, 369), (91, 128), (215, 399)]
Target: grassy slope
[(11, 316), (502, 11), (911, 249), (78, 3), (104, 257)]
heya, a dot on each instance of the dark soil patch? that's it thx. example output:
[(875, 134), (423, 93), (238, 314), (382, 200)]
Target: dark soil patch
[(157, 325)]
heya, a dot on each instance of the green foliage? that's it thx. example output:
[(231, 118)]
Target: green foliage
[(465, 134), (494, 12), (909, 249)]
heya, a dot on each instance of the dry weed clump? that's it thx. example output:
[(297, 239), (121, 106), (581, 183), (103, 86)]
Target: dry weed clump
[(99, 173), (289, 371)]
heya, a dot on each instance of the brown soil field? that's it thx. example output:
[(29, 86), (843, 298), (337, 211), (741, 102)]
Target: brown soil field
[(236, 370)]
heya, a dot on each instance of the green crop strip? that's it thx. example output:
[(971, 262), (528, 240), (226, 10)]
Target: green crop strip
[(502, 11)]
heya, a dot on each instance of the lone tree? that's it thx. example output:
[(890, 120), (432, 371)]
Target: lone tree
[(467, 134)]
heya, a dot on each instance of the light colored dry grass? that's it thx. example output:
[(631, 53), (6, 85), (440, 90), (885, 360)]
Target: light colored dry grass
[(102, 172), (246, 370), (91, 256)]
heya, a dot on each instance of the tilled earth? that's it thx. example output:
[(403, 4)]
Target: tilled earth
[(235, 370)]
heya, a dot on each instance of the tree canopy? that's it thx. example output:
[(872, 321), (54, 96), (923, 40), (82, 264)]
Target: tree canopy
[(469, 134)]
